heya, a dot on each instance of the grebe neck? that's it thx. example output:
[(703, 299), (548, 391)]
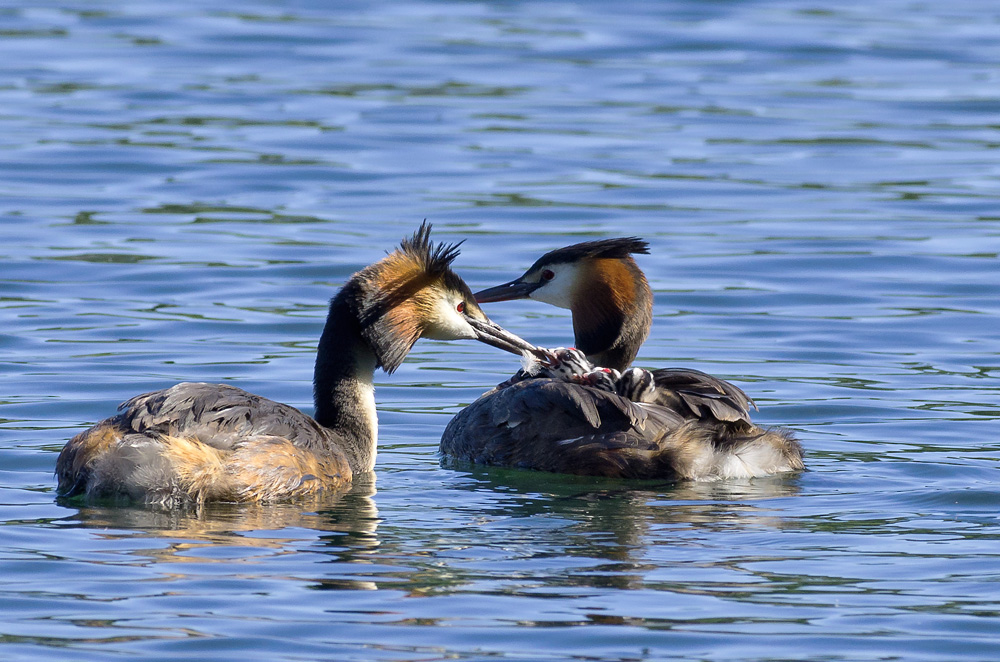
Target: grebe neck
[(343, 392), (612, 312)]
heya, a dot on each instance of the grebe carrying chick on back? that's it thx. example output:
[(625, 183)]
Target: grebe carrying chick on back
[(195, 442), (572, 416)]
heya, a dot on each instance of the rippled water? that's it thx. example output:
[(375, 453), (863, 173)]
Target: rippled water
[(182, 187)]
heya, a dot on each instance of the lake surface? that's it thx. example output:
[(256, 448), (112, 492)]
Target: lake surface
[(184, 185)]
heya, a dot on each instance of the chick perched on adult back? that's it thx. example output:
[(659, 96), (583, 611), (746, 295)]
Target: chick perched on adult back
[(610, 419)]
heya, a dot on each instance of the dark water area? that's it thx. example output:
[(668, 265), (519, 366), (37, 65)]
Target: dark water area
[(183, 186)]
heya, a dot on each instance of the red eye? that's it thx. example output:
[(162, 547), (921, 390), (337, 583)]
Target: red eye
[(460, 307), (548, 274)]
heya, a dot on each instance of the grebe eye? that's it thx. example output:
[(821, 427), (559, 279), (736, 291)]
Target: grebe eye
[(548, 274), (460, 307)]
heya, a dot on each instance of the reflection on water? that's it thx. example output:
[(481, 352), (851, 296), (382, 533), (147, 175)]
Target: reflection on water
[(354, 512), (224, 533), (611, 524), (556, 536)]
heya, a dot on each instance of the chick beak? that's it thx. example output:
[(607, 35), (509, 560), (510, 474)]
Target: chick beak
[(515, 289)]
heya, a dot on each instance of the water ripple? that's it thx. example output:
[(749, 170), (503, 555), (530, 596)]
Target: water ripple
[(183, 187)]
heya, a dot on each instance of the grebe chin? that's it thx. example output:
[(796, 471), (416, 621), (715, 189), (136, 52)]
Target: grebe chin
[(586, 412), (195, 442)]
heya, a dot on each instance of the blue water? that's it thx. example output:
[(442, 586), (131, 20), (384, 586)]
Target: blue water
[(183, 186)]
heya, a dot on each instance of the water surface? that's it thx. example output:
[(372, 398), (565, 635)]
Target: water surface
[(184, 186)]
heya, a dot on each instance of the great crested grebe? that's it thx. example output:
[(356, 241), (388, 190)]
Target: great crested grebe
[(568, 417), (197, 442)]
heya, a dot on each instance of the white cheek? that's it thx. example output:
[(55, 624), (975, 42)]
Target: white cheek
[(559, 290), (448, 324)]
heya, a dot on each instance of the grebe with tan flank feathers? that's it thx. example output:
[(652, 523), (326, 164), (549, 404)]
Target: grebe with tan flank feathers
[(195, 442)]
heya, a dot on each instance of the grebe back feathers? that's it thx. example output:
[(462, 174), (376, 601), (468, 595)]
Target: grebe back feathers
[(671, 423)]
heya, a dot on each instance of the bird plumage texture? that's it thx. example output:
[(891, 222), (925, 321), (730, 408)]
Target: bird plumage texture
[(673, 423), (196, 442)]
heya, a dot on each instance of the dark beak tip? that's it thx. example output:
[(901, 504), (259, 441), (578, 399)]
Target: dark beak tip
[(493, 334), (492, 294), (506, 292), (492, 299)]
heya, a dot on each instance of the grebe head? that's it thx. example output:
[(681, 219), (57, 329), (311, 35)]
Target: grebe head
[(413, 293), (558, 277), (601, 283)]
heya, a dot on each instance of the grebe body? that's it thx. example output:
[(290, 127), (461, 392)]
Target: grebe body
[(196, 442), (671, 423)]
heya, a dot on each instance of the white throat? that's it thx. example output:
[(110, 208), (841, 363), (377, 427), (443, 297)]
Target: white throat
[(560, 289)]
